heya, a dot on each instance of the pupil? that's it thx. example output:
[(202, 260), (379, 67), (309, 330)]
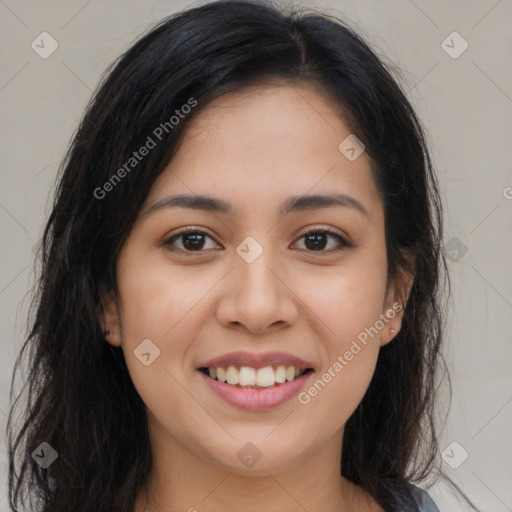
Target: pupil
[(316, 237), (196, 243)]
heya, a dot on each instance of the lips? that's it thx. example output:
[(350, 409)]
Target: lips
[(256, 400), (255, 360), (255, 381)]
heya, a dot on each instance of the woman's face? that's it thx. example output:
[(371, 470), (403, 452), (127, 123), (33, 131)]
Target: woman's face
[(253, 282)]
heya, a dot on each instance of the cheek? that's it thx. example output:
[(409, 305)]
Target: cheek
[(157, 305), (160, 306), (349, 303), (157, 297), (348, 300), (333, 402)]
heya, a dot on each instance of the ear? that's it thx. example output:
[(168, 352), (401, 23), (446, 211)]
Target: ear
[(110, 319), (396, 299)]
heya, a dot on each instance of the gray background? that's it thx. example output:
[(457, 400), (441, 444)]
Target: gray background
[(464, 102)]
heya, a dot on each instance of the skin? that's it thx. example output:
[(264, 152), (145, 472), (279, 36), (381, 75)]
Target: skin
[(254, 148)]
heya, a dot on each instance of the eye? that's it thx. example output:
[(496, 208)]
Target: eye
[(194, 240), (191, 240), (316, 239)]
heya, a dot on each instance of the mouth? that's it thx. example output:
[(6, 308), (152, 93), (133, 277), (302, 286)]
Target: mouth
[(255, 381), (255, 389), (247, 377)]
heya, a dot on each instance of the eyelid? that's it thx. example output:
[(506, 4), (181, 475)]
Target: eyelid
[(321, 229), (189, 229)]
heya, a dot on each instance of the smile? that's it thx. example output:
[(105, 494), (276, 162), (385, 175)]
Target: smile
[(255, 378), (255, 389)]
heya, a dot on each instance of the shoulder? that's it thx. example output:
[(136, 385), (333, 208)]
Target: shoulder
[(422, 502), (425, 502)]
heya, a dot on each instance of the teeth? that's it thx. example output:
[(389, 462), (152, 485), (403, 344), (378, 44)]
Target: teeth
[(221, 374), (255, 377), (265, 377), (232, 375), (248, 377), (281, 374)]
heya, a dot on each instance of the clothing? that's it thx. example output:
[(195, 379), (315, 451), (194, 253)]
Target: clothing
[(425, 502)]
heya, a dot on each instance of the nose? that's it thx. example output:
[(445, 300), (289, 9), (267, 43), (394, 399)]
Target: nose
[(257, 297)]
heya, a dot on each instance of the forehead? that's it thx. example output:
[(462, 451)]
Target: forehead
[(265, 142)]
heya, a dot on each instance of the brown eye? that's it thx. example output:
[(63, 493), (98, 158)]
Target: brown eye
[(192, 241), (189, 240), (317, 240)]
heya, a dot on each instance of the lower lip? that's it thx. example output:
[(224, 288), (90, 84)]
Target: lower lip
[(257, 399)]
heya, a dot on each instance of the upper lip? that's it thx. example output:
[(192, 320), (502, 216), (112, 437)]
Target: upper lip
[(254, 360)]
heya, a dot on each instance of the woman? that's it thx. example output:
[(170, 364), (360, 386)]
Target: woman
[(240, 301)]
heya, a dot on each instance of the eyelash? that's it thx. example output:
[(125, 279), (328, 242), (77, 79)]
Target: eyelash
[(343, 243)]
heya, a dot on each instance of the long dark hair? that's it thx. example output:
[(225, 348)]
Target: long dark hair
[(81, 400)]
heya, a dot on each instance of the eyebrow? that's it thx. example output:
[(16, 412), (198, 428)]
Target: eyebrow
[(292, 204)]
